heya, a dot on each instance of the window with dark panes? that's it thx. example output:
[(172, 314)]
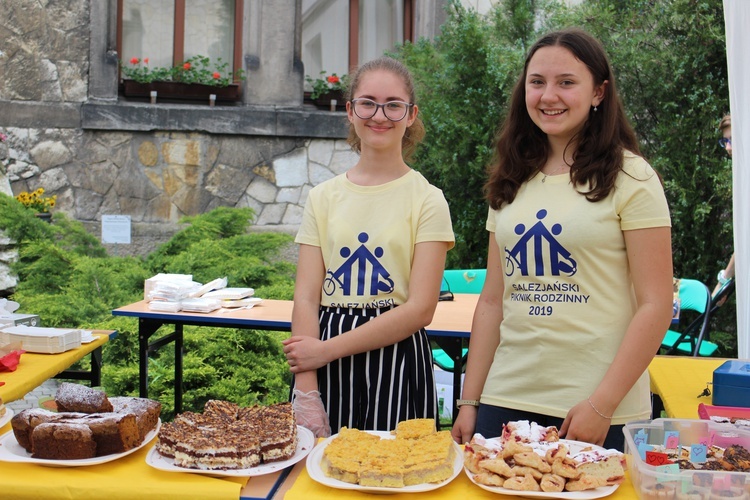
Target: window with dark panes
[(168, 32), (338, 35)]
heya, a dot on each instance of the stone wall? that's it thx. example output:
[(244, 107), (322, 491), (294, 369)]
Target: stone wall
[(158, 177)]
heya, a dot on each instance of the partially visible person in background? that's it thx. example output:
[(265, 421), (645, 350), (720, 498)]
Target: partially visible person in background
[(725, 127)]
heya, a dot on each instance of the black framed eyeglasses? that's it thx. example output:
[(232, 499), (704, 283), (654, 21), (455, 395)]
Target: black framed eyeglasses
[(395, 111), (724, 141)]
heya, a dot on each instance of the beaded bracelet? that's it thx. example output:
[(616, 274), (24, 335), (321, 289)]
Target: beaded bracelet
[(597, 411)]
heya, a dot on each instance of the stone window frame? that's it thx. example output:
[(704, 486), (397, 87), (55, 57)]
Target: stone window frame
[(272, 96)]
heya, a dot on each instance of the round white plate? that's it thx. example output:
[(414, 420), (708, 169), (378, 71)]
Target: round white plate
[(11, 451), (6, 418), (317, 474), (305, 443), (574, 447)]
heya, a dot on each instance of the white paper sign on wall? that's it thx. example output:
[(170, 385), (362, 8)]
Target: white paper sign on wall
[(116, 229)]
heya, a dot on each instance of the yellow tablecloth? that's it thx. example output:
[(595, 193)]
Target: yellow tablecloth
[(304, 488), (122, 479), (678, 380), (33, 369)]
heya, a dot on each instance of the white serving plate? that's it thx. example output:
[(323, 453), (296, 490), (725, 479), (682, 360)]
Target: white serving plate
[(574, 447), (316, 473), (11, 451), (305, 443), (6, 418)]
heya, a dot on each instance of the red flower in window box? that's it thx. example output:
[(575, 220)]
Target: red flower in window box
[(327, 84), (197, 69)]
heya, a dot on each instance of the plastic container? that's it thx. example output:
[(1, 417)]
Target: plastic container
[(731, 384), (654, 482), (735, 415)]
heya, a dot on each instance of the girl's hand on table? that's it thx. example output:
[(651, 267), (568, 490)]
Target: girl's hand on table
[(465, 424)]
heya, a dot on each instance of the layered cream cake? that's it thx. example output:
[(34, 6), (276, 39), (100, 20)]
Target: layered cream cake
[(226, 436)]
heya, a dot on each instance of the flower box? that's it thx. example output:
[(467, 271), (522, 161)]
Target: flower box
[(324, 101), (181, 91)]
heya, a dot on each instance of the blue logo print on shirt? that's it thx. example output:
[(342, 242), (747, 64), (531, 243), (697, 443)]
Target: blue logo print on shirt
[(379, 281), (540, 243)]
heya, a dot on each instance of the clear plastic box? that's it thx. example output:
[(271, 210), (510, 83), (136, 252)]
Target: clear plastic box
[(653, 482)]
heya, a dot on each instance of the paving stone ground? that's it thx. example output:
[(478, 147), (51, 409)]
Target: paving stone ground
[(31, 400)]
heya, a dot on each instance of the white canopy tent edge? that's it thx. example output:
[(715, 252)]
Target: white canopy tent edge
[(737, 21)]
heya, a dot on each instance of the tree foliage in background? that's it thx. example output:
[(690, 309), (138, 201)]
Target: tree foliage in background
[(67, 278), (463, 80), (669, 58), (670, 62)]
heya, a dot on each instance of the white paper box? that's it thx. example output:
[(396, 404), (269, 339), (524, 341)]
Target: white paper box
[(20, 319)]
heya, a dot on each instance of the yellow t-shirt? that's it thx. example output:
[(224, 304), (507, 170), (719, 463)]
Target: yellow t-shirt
[(568, 296), (367, 236)]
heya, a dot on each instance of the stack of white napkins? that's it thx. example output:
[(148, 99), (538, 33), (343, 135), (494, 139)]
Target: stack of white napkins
[(229, 293), (247, 303), (42, 339), (200, 305), (165, 305), (178, 292)]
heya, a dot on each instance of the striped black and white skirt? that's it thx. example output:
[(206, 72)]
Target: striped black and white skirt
[(377, 389)]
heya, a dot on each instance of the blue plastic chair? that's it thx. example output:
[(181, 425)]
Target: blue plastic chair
[(458, 281), (464, 280), (694, 296)]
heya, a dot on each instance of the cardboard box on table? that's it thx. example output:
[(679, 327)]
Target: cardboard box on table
[(20, 319)]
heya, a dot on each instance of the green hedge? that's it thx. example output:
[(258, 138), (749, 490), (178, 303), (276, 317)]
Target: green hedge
[(66, 276)]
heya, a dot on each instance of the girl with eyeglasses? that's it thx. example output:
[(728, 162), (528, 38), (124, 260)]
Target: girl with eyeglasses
[(578, 293), (373, 243)]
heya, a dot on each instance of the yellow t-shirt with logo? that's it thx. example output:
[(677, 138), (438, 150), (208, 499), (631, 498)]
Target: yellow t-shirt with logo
[(568, 296), (367, 236)]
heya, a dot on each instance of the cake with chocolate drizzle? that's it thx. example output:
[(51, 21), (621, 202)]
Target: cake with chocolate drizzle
[(226, 436)]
